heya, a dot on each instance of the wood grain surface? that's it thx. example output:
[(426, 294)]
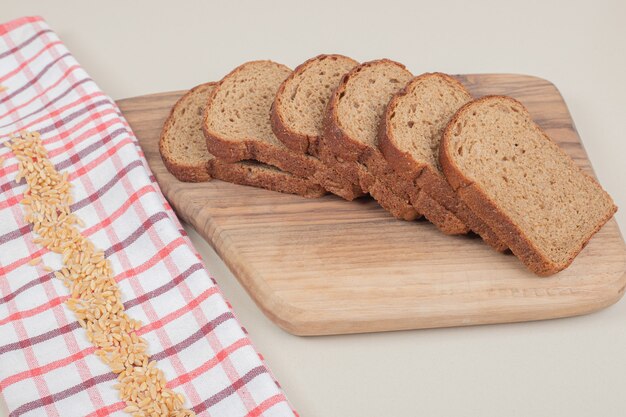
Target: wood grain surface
[(328, 266)]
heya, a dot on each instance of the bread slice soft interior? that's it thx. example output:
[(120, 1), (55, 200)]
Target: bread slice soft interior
[(300, 104)]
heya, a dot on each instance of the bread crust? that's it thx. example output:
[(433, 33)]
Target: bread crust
[(423, 175), (489, 211), (185, 173), (245, 173)]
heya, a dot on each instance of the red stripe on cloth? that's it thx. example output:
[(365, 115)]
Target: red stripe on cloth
[(68, 148), (230, 390), (45, 368), (164, 252), (176, 314), (211, 363), (18, 124), (56, 83), (80, 172), (16, 23), (11, 201), (55, 113), (61, 395), (147, 189), (31, 59), (82, 353), (182, 379), (22, 314), (174, 349), (107, 410), (267, 404), (115, 248), (32, 80)]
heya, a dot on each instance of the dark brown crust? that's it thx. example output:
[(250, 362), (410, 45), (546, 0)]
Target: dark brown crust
[(295, 141), (333, 181), (299, 143), (427, 177), (264, 177), (435, 185), (489, 211), (185, 173), (251, 148), (445, 220)]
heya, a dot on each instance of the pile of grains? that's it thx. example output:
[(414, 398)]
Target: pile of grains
[(95, 297)]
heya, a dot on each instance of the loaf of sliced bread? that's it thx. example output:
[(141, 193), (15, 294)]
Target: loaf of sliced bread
[(521, 184), (237, 125), (298, 110), (409, 139), (183, 149), (351, 126)]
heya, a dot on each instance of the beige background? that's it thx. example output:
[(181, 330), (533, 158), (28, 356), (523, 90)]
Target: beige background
[(569, 367)]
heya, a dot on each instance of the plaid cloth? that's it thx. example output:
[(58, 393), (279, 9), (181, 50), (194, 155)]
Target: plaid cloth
[(47, 365)]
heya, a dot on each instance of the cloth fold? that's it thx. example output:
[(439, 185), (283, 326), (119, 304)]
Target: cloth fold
[(47, 365)]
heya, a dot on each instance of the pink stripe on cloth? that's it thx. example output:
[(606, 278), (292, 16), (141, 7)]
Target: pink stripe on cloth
[(47, 365)]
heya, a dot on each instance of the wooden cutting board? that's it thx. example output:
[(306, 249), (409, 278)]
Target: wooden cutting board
[(328, 266)]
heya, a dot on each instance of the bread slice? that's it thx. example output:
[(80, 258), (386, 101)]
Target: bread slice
[(300, 104), (519, 182), (298, 110), (237, 124), (182, 145), (350, 141), (183, 149), (409, 139)]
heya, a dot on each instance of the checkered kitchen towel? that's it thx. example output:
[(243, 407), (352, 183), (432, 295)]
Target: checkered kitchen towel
[(47, 365)]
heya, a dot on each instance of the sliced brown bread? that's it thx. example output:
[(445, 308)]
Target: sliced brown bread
[(298, 110), (350, 137), (183, 149), (519, 182), (409, 139), (237, 125), (300, 104)]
